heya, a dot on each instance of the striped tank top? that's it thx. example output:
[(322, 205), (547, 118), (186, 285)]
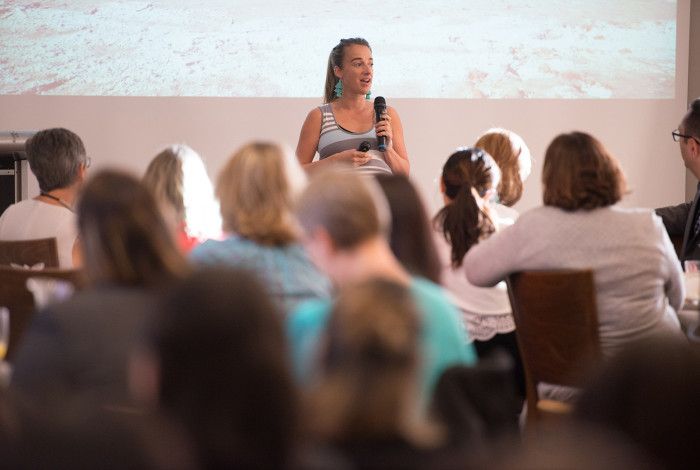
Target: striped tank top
[(335, 139)]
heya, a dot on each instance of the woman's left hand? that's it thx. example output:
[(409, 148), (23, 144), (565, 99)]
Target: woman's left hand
[(383, 128)]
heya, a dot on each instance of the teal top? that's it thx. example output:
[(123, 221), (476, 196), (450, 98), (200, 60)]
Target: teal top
[(443, 338), (286, 271)]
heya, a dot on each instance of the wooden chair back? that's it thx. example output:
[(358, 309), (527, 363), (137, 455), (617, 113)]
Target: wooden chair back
[(556, 323), (20, 301), (29, 252)]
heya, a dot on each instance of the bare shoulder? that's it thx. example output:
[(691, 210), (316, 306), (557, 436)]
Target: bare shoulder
[(314, 115), (312, 123), (392, 111)]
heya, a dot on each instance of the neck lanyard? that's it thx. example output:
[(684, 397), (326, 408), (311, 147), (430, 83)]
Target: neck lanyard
[(58, 200)]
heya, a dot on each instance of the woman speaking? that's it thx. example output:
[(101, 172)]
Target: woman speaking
[(344, 128)]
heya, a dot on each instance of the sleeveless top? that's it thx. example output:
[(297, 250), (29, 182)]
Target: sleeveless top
[(335, 139)]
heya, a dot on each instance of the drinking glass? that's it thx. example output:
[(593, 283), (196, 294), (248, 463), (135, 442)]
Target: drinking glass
[(692, 282), (4, 331)]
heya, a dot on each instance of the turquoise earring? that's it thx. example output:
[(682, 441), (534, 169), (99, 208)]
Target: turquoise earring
[(338, 89), (368, 95)]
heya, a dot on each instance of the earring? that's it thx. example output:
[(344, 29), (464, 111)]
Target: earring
[(338, 89), (368, 95)]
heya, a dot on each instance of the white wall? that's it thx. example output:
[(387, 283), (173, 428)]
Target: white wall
[(127, 132)]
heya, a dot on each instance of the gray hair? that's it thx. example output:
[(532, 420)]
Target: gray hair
[(55, 156)]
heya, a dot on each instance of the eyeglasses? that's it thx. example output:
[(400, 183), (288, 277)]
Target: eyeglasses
[(677, 136)]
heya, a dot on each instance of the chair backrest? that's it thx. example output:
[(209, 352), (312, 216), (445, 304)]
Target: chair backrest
[(20, 301), (29, 252), (556, 323)]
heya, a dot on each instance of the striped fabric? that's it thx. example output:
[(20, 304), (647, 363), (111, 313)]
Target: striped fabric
[(335, 139)]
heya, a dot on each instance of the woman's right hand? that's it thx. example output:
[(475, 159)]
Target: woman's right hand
[(354, 157)]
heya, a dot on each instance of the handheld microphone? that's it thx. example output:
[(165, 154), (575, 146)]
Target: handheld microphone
[(364, 146), (379, 109)]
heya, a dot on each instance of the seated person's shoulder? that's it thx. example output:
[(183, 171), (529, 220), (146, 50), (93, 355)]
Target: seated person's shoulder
[(429, 293), (309, 313)]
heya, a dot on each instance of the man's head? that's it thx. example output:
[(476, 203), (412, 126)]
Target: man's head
[(688, 136), (57, 158), (338, 212)]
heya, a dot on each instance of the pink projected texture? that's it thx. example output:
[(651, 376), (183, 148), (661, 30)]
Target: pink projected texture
[(428, 49)]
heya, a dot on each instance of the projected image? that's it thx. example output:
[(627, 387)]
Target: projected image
[(430, 49)]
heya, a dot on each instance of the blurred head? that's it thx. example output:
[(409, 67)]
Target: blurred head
[(580, 174), (256, 191), (690, 146), (179, 181), (469, 177), (57, 158), (122, 233), (648, 394), (343, 210), (411, 237), (337, 60), (513, 159), (369, 363), (220, 360)]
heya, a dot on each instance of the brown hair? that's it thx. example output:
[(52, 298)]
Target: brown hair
[(369, 364), (462, 222), (221, 347), (255, 194), (580, 174), (411, 237), (344, 204), (335, 59), (123, 235), (513, 159), (691, 120)]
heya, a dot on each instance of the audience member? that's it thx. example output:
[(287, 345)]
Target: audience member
[(638, 279), (648, 394), (364, 409), (575, 447), (682, 220), (469, 179), (76, 436), (256, 190), (216, 360), (78, 350), (411, 238), (182, 188), (345, 217), (515, 162), (58, 161)]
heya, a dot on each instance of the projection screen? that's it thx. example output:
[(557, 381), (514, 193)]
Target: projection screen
[(133, 76)]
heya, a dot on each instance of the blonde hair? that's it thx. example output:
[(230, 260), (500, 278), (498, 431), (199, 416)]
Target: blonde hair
[(256, 191), (179, 182), (369, 366), (513, 159)]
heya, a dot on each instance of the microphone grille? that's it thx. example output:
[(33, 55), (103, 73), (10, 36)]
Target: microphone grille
[(379, 101)]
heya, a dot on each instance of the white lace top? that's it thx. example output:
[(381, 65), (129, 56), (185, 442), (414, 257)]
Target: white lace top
[(485, 310)]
